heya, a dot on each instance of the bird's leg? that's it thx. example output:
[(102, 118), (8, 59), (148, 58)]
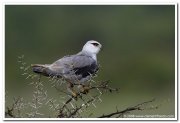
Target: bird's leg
[(84, 88), (71, 90)]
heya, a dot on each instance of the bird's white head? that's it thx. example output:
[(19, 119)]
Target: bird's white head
[(92, 47)]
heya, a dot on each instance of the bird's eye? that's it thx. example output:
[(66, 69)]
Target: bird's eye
[(95, 44)]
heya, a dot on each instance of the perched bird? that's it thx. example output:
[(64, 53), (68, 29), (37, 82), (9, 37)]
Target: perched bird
[(75, 69)]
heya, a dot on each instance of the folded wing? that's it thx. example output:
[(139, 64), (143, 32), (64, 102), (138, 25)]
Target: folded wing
[(75, 67)]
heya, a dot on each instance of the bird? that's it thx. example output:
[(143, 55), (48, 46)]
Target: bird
[(74, 69)]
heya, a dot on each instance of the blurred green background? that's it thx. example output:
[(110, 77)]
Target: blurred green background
[(138, 53)]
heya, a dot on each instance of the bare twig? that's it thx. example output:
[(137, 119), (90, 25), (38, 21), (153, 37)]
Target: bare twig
[(10, 111), (105, 86), (80, 107), (129, 109)]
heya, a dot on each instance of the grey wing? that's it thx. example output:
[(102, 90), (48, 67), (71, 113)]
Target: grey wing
[(63, 65), (80, 65)]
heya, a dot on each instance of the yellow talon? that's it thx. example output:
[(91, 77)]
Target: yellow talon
[(74, 94), (84, 89)]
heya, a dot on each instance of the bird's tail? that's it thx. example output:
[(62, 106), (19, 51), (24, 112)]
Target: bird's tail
[(41, 69)]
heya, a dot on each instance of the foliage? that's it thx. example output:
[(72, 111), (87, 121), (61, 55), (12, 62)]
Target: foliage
[(72, 107)]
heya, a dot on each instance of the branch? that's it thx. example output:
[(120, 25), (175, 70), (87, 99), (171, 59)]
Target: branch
[(10, 111), (80, 107), (130, 109), (105, 86)]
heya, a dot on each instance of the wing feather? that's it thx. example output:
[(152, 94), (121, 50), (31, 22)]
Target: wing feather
[(78, 64)]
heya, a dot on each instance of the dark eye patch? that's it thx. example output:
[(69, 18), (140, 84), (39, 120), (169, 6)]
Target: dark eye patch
[(95, 44)]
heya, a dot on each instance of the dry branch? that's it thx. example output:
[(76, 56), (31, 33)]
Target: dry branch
[(70, 107), (10, 111), (129, 109), (103, 86)]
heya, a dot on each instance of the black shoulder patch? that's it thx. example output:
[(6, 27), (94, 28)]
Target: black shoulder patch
[(86, 70)]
